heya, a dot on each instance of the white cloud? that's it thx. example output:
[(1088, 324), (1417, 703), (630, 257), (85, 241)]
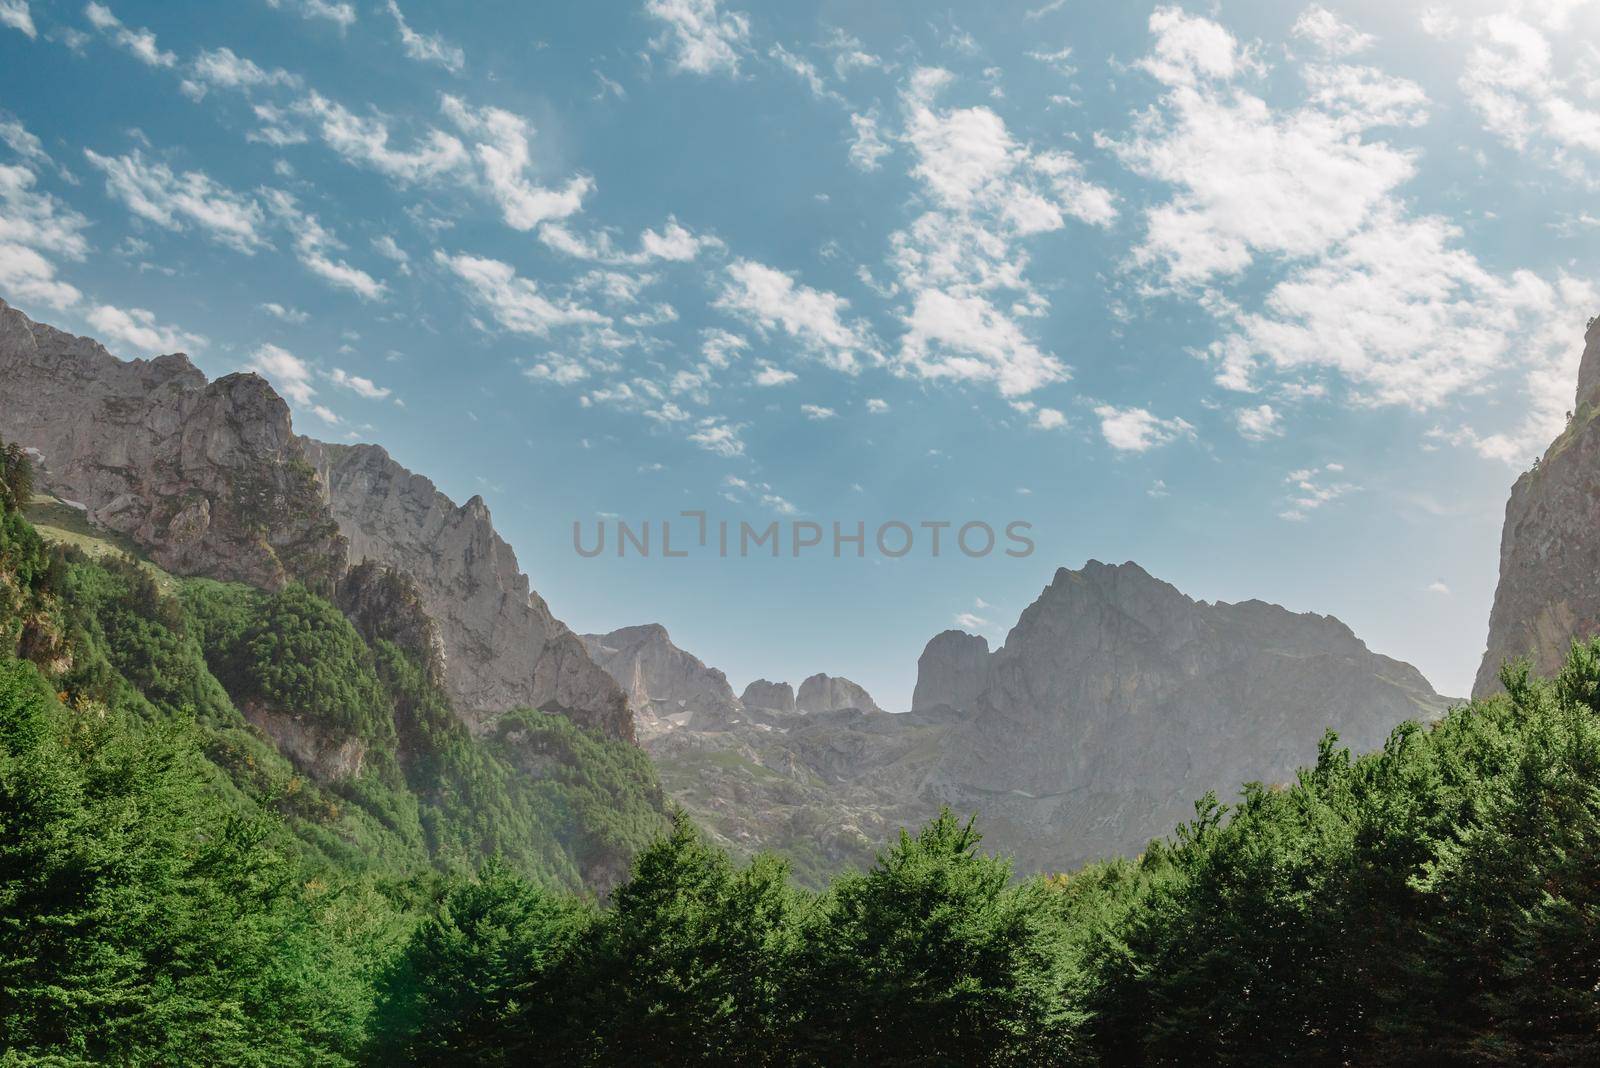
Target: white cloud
[(1307, 198), (720, 347), (16, 137), (358, 385), (849, 55), (769, 375), (877, 406), (152, 191), (36, 219), (141, 43), (14, 13), (137, 329), (1330, 33), (425, 47), (221, 68), (288, 373), (817, 412), (287, 314), (1060, 60), (1259, 423), (515, 303), (1250, 181), (1136, 430), (674, 244), (1049, 419), (562, 370), (815, 318), (868, 148), (715, 435), (365, 142), (338, 12), (315, 248), (386, 246), (961, 263), (25, 275), (1437, 586), (1311, 489), (971, 621), (505, 159), (1511, 80), (702, 39), (1158, 489)]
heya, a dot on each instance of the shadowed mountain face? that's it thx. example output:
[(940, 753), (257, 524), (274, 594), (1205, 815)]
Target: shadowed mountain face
[(1115, 702), (210, 480), (1549, 591), (664, 684)]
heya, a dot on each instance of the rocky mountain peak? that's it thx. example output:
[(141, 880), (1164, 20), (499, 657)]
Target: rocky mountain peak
[(830, 693), (1589, 367), (666, 686), (776, 696), (210, 479), (1549, 589), (952, 671)]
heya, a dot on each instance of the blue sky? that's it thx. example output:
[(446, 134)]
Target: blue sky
[(1274, 299)]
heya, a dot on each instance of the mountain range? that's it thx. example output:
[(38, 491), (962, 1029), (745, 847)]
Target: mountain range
[(1113, 702)]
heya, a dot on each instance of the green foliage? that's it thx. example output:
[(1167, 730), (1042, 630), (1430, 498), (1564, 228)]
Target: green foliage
[(16, 477)]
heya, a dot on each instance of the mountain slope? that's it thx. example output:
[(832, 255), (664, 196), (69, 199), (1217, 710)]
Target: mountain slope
[(209, 479), (1114, 703), (1549, 589)]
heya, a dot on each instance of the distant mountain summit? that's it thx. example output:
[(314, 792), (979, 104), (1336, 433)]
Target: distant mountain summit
[(1549, 589), (1114, 703), (210, 480), (664, 684)]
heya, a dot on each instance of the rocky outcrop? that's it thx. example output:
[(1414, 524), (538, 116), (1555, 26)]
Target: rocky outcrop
[(206, 477), (665, 685), (778, 696), (384, 604), (952, 671), (1116, 701), (325, 756), (209, 479), (503, 647), (829, 693), (1549, 590)]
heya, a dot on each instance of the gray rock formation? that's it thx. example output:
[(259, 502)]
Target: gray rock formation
[(206, 476), (664, 684), (209, 479), (952, 671), (778, 696), (830, 693), (1116, 701), (503, 647), (384, 604), (1549, 591)]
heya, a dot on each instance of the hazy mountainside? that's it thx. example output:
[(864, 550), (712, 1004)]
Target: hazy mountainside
[(1549, 590), (1115, 702), (828, 693), (209, 479), (664, 684)]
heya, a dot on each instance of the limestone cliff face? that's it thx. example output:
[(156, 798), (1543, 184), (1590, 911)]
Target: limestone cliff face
[(384, 604), (1549, 591), (503, 647), (664, 684), (209, 479), (778, 696), (830, 693), (952, 671), (206, 476), (1116, 701)]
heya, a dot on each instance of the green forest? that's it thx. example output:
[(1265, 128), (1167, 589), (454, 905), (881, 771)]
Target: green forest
[(174, 891)]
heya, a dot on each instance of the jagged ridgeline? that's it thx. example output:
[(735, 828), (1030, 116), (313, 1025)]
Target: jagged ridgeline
[(328, 713)]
